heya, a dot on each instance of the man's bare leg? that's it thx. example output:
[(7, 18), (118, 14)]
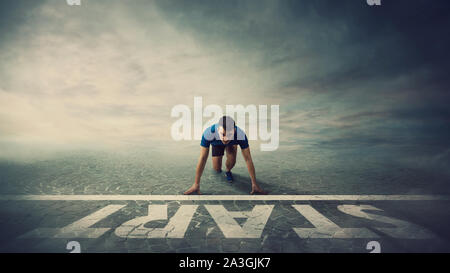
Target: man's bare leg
[(231, 157), (217, 163)]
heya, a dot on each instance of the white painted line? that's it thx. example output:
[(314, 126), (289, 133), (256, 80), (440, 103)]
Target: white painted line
[(253, 226), (325, 228), (176, 228), (79, 229), (224, 197)]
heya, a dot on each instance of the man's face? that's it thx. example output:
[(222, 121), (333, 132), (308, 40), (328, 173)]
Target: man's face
[(226, 136)]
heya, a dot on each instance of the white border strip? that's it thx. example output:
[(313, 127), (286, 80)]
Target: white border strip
[(223, 197)]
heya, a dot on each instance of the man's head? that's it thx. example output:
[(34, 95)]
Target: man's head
[(226, 129)]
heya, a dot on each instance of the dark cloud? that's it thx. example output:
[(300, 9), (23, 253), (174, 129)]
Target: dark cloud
[(393, 58), (13, 14), (406, 33), (345, 73), (424, 114)]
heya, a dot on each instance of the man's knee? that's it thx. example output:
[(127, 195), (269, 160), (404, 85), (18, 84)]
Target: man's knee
[(231, 159), (217, 163), (231, 151)]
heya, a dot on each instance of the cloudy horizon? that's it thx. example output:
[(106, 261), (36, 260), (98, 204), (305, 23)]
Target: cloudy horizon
[(346, 75)]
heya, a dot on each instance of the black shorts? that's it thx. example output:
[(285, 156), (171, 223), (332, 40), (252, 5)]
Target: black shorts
[(218, 150)]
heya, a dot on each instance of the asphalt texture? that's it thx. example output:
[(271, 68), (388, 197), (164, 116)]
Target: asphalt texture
[(165, 170)]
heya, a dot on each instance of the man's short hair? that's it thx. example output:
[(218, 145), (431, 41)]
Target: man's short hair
[(227, 122)]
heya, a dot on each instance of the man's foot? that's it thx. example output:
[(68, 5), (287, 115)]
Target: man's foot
[(257, 190), (193, 189), (218, 171), (229, 176)]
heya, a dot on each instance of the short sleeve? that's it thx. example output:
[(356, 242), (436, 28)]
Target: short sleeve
[(243, 143), (205, 143), (208, 136)]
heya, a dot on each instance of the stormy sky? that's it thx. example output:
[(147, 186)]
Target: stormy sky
[(108, 72)]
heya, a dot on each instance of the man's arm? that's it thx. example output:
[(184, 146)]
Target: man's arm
[(248, 160), (251, 170), (204, 152)]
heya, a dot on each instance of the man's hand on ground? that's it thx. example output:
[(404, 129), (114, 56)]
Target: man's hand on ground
[(194, 189), (256, 189)]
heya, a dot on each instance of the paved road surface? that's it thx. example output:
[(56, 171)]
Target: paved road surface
[(361, 199)]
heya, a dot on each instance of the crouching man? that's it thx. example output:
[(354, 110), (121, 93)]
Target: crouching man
[(224, 136)]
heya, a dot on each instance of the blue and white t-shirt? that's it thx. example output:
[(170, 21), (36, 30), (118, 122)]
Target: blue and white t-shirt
[(211, 137)]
